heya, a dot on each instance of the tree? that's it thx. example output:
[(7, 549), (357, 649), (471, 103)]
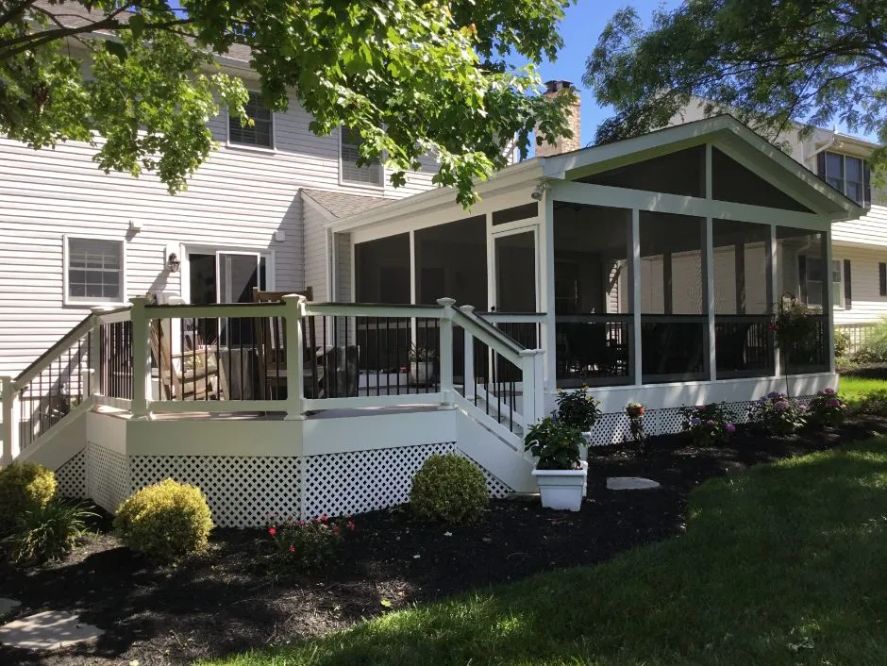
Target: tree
[(770, 62), (411, 77)]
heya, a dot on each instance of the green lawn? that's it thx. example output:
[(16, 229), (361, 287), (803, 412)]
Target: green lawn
[(783, 564), (854, 389)]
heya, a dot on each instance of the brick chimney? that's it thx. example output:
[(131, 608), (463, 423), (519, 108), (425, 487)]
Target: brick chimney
[(563, 144)]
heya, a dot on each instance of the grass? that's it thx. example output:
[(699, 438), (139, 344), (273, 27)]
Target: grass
[(856, 389), (783, 564)]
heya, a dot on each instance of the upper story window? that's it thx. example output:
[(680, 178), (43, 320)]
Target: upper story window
[(367, 174), (850, 175), (94, 270), (261, 133)]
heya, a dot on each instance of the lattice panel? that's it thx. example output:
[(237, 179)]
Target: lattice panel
[(496, 487), (107, 477), (360, 481), (738, 411), (612, 428), (242, 491), (71, 477), (665, 422)]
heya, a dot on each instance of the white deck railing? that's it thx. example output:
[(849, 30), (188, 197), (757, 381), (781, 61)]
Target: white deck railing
[(292, 357)]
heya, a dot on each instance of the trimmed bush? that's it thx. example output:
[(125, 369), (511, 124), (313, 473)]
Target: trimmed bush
[(48, 532), (23, 487), (165, 521), (449, 488)]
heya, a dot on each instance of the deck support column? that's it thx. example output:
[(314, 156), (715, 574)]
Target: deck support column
[(775, 298), (446, 351), (469, 390), (708, 293), (10, 423), (533, 374), (636, 296), (141, 358), (295, 383)]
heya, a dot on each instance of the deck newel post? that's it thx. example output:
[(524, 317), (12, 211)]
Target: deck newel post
[(141, 358), (533, 375), (446, 350), (295, 384), (10, 423), (469, 386), (95, 351)]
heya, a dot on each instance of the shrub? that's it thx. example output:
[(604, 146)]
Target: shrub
[(310, 544), (708, 424), (165, 521), (874, 349), (776, 414), (826, 408), (842, 343), (578, 409), (23, 487), (556, 444), (48, 532), (449, 488)]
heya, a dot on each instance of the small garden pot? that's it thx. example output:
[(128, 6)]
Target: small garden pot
[(421, 373), (562, 489)]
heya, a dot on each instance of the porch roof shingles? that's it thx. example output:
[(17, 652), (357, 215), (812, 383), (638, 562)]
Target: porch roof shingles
[(341, 205)]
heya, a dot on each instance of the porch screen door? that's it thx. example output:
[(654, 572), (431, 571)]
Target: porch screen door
[(515, 255), (238, 273)]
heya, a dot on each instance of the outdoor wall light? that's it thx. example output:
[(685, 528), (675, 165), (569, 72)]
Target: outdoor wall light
[(173, 263)]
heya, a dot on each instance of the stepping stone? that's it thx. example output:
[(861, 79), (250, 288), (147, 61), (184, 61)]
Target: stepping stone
[(630, 483), (49, 630), (8, 606)]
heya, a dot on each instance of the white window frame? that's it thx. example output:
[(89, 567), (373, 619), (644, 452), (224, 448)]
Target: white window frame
[(269, 254), (88, 301), (843, 189), (249, 146), (365, 185), (838, 302)]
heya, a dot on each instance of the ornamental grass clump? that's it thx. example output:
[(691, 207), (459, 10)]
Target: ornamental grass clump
[(708, 425), (310, 544), (826, 408), (777, 415), (48, 533), (24, 487), (165, 521), (449, 488)]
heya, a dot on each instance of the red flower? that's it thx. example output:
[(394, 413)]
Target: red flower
[(272, 531)]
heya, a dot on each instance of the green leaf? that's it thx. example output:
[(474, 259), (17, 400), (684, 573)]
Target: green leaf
[(116, 49)]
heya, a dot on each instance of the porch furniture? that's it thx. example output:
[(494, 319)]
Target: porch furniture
[(193, 373), (271, 336)]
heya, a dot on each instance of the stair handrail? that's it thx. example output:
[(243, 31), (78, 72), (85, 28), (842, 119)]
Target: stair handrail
[(41, 362)]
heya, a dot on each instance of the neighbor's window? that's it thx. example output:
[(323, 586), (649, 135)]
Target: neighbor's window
[(368, 174), (814, 282), (261, 133), (95, 270), (849, 175)]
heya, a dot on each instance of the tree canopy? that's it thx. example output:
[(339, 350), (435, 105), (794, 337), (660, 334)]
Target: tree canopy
[(412, 77), (770, 62)]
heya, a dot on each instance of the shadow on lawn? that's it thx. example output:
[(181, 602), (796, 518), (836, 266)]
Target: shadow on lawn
[(782, 565)]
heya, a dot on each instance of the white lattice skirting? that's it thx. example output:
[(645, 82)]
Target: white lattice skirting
[(252, 491)]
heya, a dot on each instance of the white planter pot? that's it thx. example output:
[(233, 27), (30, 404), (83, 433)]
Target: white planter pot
[(421, 373), (562, 489)]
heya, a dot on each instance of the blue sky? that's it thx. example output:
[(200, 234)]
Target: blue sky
[(580, 29)]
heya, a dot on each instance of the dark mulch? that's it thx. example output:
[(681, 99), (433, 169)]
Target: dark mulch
[(228, 601)]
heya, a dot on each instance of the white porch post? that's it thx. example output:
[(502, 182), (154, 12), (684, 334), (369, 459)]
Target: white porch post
[(533, 371), (828, 299), (446, 350), (709, 293), (636, 294), (548, 380), (295, 385), (10, 422), (775, 296), (141, 358), (469, 390), (95, 351)]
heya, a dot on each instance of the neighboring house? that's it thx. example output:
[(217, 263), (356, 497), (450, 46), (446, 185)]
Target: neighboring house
[(646, 269), (859, 247)]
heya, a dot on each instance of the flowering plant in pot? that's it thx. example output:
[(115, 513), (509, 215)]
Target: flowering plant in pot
[(579, 410), (635, 412), (559, 471)]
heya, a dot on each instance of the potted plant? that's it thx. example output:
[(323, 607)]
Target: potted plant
[(559, 470), (422, 362), (579, 410)]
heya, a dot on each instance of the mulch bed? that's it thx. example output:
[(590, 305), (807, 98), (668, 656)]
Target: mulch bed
[(228, 601)]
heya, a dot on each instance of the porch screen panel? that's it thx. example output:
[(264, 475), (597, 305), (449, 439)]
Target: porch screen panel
[(674, 343), (593, 295), (451, 261), (743, 337), (516, 272), (802, 279)]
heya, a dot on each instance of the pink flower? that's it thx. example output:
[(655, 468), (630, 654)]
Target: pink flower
[(292, 549), (350, 525), (833, 403), (828, 391), (272, 531), (323, 518), (730, 428)]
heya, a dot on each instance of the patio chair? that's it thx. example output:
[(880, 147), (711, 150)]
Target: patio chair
[(193, 373), (271, 333)]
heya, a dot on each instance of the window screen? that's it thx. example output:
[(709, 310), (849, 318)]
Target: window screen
[(95, 269), (369, 174), (261, 133)]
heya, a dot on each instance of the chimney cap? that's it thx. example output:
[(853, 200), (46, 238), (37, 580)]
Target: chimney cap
[(555, 86)]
